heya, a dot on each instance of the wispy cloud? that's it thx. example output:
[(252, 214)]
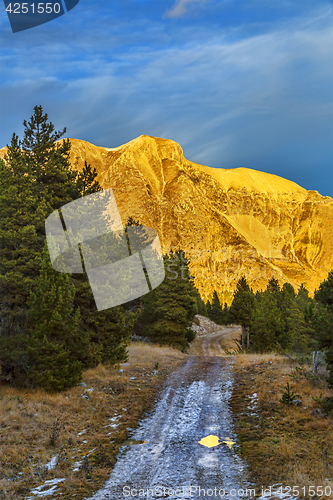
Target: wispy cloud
[(180, 7), (257, 98)]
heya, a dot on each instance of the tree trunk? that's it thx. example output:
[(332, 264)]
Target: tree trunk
[(247, 336), (243, 337)]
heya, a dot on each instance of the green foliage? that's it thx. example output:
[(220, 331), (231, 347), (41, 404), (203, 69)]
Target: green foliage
[(86, 181), (109, 330), (281, 320), (225, 313), (169, 309), (53, 327), (327, 404), (46, 159), (35, 180), (273, 285), (299, 341), (322, 321), (324, 294), (267, 328), (324, 403), (216, 312), (201, 306), (242, 284), (329, 364), (288, 396), (190, 335), (242, 307)]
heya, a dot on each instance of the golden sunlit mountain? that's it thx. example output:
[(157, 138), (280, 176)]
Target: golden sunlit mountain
[(230, 222)]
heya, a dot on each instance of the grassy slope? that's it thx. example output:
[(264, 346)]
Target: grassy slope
[(29, 418), (282, 443)]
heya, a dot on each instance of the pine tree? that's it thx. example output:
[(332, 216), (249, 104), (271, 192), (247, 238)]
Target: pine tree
[(299, 341), (53, 326), (267, 327), (216, 312), (242, 308), (323, 320), (48, 160), (23, 210), (169, 309), (273, 285), (86, 181), (304, 302), (242, 284), (109, 330), (200, 304), (324, 294), (35, 180), (225, 313), (20, 246)]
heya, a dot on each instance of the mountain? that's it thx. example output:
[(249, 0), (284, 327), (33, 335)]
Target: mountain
[(230, 222)]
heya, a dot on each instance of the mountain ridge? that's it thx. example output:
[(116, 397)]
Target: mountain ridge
[(230, 222)]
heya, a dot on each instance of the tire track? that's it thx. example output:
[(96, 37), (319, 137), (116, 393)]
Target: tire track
[(193, 405)]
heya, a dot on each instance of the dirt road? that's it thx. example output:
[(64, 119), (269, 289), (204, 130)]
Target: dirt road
[(164, 459)]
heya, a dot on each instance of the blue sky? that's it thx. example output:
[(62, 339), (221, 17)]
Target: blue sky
[(234, 82)]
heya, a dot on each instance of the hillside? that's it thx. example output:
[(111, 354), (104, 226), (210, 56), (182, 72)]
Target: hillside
[(229, 221)]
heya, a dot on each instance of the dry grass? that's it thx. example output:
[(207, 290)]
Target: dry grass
[(228, 342), (36, 426), (282, 443)]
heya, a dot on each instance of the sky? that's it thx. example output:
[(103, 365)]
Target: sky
[(235, 82)]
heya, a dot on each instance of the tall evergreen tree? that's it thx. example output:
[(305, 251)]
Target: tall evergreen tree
[(225, 314), (35, 180), (273, 285), (323, 320), (201, 306), (216, 312), (54, 339), (169, 309), (324, 294), (242, 308), (47, 159), (242, 284), (109, 329), (20, 245), (299, 341), (267, 327)]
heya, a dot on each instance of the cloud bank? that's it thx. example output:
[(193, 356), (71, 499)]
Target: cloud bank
[(242, 96)]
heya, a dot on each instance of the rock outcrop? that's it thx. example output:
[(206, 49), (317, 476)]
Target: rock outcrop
[(230, 222)]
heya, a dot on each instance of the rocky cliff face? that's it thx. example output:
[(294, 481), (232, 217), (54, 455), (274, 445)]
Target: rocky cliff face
[(229, 222)]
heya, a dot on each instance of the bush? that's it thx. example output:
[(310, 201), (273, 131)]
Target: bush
[(288, 396), (327, 404), (190, 335)]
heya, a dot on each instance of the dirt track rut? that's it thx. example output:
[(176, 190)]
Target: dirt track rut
[(169, 462)]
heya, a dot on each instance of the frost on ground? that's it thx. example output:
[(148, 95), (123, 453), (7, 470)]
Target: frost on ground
[(170, 454), (52, 463), (51, 488)]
